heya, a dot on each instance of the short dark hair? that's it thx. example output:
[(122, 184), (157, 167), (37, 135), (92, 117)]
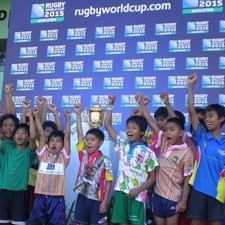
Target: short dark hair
[(219, 109), (139, 120), (23, 126), (97, 132), (161, 111), (9, 116), (180, 115), (177, 121), (49, 123), (56, 133)]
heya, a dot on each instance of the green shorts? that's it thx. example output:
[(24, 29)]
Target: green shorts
[(127, 211)]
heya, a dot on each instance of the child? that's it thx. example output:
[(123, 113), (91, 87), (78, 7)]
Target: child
[(16, 160), (136, 172), (175, 166), (49, 205), (94, 178), (207, 179)]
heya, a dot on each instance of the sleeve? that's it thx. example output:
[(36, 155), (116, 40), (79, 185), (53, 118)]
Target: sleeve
[(152, 161), (80, 148), (120, 144), (66, 158), (40, 153), (108, 170), (188, 163), (197, 135)]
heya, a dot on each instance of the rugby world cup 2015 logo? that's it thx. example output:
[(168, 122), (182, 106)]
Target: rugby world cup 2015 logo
[(197, 63), (105, 32), (82, 83), (202, 6), (28, 52), (47, 12), (103, 65), (213, 81), (113, 82), (147, 47), (25, 85), (146, 82), (45, 67), (177, 81), (73, 66), (19, 68), (76, 33), (133, 64), (49, 35), (128, 101), (135, 30), (198, 27), (22, 36), (165, 28)]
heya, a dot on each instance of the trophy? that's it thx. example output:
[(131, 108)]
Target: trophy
[(96, 115)]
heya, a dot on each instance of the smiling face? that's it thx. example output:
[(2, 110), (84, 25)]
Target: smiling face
[(92, 143), (21, 138), (173, 133), (55, 144), (133, 132), (8, 128), (212, 121)]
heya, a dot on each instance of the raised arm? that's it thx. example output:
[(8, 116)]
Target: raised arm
[(42, 106), (53, 109), (32, 142), (191, 108), (26, 105), (165, 99), (80, 135), (141, 101), (108, 118), (67, 115), (39, 128), (10, 106)]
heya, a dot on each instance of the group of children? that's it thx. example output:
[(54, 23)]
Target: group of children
[(179, 175)]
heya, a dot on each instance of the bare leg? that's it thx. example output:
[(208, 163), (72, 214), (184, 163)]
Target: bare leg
[(173, 220), (196, 222), (217, 222), (159, 221)]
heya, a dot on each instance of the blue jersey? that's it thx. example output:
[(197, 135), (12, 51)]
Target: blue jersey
[(209, 170)]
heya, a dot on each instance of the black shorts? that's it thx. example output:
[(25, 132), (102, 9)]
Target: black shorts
[(204, 207), (13, 206)]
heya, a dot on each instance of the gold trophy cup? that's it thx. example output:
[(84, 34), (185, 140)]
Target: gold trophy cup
[(96, 115)]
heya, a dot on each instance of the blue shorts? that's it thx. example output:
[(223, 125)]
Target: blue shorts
[(163, 207), (48, 209), (87, 211)]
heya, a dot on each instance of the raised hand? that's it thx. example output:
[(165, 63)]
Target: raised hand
[(78, 108), (52, 107), (26, 104), (164, 97), (111, 99), (9, 88), (192, 79)]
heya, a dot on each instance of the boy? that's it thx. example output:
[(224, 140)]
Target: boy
[(207, 179), (49, 205), (175, 166), (136, 172), (94, 178), (16, 159)]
